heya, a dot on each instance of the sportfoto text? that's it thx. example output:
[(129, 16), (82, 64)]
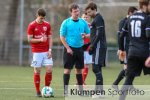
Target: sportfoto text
[(109, 92)]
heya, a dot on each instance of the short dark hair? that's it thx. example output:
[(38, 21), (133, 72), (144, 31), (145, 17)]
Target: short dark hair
[(91, 6), (132, 9), (84, 12), (41, 12), (143, 2), (73, 6)]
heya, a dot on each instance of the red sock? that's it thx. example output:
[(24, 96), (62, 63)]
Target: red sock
[(48, 78), (37, 81), (84, 73)]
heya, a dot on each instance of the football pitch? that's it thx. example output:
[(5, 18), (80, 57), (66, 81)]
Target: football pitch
[(16, 83)]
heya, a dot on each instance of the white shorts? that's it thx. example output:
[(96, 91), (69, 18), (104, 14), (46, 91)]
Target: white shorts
[(87, 58), (41, 59)]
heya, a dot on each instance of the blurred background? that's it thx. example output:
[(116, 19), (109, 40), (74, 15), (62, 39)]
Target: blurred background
[(15, 15)]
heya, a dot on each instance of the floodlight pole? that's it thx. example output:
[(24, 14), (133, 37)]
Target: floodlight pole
[(21, 32)]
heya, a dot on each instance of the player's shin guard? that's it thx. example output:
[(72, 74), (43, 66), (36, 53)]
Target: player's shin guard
[(120, 77), (37, 81), (66, 82), (84, 74), (48, 79)]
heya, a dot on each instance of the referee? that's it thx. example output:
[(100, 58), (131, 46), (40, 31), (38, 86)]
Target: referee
[(72, 32)]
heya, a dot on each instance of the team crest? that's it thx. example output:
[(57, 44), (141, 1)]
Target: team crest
[(44, 28)]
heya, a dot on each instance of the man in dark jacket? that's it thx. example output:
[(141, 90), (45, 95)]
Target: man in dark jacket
[(98, 44)]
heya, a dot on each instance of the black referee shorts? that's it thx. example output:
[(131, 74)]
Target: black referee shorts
[(136, 65), (76, 59)]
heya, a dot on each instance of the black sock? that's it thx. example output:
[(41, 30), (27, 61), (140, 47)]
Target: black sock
[(125, 88), (120, 77), (129, 80), (66, 82), (99, 81), (80, 81), (97, 69), (99, 78)]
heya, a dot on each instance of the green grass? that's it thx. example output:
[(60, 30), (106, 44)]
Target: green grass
[(16, 83)]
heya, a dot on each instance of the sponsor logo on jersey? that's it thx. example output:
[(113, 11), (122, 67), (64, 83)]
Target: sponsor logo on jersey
[(43, 34), (38, 36)]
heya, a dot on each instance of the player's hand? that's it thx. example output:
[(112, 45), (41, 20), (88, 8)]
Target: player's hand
[(69, 50), (49, 54), (147, 62), (122, 55), (83, 35), (43, 39), (91, 51)]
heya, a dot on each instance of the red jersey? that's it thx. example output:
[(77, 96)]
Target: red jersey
[(87, 40), (38, 31)]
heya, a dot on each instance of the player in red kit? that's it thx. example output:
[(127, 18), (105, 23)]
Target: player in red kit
[(40, 37), (87, 57)]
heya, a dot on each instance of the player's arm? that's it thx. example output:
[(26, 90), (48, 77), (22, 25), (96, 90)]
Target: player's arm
[(86, 36), (50, 41), (148, 28), (50, 46), (33, 40), (121, 25), (121, 52), (50, 38), (147, 62), (148, 31), (121, 36), (100, 31)]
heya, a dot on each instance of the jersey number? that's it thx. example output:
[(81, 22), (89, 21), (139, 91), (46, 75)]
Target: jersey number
[(136, 28)]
